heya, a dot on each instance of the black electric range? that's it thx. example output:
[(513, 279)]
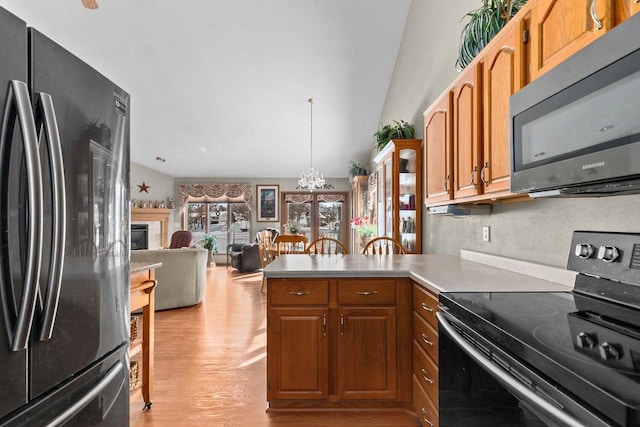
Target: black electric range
[(578, 348)]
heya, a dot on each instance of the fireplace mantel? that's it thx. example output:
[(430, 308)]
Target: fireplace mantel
[(154, 214)]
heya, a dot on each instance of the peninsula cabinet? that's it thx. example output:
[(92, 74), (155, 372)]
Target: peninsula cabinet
[(425, 356), (399, 179), (561, 28), (338, 343)]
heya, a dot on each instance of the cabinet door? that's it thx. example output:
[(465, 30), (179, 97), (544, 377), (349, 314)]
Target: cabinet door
[(437, 152), (503, 76), (634, 6), (466, 133), (298, 363), (562, 27), (367, 353)]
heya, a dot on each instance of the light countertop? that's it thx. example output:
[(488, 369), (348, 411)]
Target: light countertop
[(438, 273), (137, 267)]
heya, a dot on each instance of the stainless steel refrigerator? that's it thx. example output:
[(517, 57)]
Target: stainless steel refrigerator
[(64, 236)]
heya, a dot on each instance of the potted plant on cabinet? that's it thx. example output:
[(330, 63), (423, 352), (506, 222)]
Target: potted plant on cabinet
[(401, 130), (484, 23), (357, 169)]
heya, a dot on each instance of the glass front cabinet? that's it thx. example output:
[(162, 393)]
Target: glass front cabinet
[(360, 207), (399, 210)]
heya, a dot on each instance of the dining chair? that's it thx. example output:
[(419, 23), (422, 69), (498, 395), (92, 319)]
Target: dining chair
[(384, 246), (326, 246), (291, 244), (265, 251)]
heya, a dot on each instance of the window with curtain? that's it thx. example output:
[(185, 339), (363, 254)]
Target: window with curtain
[(223, 210), (317, 214)]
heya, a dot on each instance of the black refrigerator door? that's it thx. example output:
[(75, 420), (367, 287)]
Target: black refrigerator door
[(13, 66), (92, 316)]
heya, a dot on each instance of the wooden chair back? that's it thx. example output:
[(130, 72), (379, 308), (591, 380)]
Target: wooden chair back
[(384, 246), (264, 247), (326, 246), (291, 244)]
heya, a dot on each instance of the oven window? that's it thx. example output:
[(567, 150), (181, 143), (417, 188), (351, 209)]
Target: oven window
[(597, 113)]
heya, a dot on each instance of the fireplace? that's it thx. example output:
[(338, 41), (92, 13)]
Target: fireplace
[(139, 236)]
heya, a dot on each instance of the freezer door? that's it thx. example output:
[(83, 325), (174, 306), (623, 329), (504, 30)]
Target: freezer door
[(92, 315), (13, 66), (99, 397)]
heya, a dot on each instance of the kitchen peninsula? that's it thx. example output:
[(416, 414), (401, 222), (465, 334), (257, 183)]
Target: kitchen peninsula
[(358, 331)]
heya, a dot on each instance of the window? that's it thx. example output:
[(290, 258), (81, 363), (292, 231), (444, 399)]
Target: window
[(228, 222), (317, 214)]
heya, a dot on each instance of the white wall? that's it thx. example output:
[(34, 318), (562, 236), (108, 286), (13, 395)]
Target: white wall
[(161, 188), (540, 230)]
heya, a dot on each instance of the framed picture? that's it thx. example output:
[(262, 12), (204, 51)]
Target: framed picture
[(268, 203)]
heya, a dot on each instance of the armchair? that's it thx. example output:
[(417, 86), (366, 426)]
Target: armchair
[(245, 256)]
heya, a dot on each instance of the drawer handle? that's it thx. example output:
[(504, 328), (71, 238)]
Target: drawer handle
[(424, 417), (425, 375), (425, 338), (299, 294), (425, 307), (366, 293)]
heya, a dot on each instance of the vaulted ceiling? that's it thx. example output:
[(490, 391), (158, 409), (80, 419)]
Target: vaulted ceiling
[(220, 87)]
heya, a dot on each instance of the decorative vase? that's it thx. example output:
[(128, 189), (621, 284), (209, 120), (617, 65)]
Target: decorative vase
[(364, 240)]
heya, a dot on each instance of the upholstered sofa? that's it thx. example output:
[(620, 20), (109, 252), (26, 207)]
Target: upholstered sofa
[(181, 278)]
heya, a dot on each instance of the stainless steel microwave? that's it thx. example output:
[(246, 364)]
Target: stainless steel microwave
[(576, 129)]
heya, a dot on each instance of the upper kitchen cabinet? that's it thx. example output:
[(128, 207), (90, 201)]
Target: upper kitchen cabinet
[(561, 28), (438, 158), (634, 6), (467, 98), (399, 213), (504, 68)]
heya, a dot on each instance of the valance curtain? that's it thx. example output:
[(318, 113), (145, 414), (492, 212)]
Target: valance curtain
[(306, 197), (212, 192)]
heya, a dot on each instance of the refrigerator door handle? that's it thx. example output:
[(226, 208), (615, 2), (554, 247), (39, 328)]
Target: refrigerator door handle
[(18, 104), (45, 119), (71, 411)]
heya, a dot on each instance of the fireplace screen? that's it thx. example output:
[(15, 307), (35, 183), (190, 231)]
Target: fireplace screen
[(139, 236)]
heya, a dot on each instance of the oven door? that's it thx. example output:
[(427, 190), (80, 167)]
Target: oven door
[(481, 385)]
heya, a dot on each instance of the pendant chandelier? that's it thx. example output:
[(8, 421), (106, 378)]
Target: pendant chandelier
[(311, 179)]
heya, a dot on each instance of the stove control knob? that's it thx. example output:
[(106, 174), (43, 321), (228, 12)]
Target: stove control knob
[(584, 340), (608, 253), (584, 250), (609, 352)]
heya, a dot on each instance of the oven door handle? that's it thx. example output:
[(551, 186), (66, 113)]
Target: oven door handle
[(511, 384)]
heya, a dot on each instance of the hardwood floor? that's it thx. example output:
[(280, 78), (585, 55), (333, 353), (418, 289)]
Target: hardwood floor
[(210, 365)]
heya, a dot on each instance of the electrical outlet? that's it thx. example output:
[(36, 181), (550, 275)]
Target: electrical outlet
[(486, 234)]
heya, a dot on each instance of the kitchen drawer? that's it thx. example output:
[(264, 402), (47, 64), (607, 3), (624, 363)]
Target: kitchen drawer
[(299, 292), (426, 371), (425, 409), (426, 304), (366, 292), (426, 336)]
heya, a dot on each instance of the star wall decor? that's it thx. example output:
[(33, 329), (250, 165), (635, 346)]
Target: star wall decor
[(144, 187)]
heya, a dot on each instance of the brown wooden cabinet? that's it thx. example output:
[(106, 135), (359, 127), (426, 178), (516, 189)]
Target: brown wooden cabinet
[(367, 353), (399, 178), (467, 98), (338, 342), (503, 66), (425, 356), (561, 28), (298, 353), (360, 207), (438, 158), (634, 6)]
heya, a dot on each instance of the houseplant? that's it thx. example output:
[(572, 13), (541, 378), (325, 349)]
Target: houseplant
[(484, 23), (366, 227), (210, 243), (357, 169), (401, 130), (292, 227)]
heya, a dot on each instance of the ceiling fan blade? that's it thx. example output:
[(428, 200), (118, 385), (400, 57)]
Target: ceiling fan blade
[(90, 4)]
